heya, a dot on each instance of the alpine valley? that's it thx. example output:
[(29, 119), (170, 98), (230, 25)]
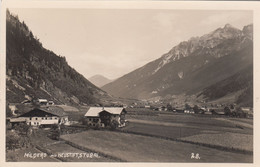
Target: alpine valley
[(215, 66)]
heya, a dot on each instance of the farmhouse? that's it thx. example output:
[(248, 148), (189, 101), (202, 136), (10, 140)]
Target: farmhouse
[(26, 102), (102, 117), (42, 101), (41, 116), (92, 116), (246, 109)]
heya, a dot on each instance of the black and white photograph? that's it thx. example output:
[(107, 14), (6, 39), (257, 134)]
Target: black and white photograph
[(131, 84)]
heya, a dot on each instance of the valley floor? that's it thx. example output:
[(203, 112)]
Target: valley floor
[(164, 137)]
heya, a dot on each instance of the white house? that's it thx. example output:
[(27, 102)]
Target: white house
[(42, 116)]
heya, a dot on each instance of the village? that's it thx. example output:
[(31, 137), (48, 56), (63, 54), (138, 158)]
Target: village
[(46, 114), (36, 124)]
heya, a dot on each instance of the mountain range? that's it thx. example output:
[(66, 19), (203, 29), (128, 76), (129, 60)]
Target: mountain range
[(33, 71), (99, 80), (211, 66)]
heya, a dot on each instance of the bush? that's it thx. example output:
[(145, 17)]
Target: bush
[(12, 141), (227, 111), (55, 132), (15, 141), (22, 128), (196, 109), (187, 106), (113, 125), (83, 121)]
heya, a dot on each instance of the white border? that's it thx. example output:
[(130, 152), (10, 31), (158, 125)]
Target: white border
[(199, 5)]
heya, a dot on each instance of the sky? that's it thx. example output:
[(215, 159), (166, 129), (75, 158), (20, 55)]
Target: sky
[(114, 42)]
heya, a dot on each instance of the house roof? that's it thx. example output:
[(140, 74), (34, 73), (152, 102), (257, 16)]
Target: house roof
[(42, 100), (17, 120), (41, 111), (94, 111), (114, 110)]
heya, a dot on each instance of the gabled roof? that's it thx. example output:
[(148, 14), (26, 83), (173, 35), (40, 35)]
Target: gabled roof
[(94, 111), (42, 100), (114, 110)]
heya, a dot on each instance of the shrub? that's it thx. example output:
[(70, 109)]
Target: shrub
[(15, 141), (22, 128), (113, 125)]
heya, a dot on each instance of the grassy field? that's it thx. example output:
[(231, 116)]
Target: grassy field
[(161, 130), (226, 139), (68, 108), (229, 133), (138, 148), (151, 136), (40, 143), (190, 119)]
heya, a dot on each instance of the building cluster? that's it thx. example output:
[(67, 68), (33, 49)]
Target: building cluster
[(38, 102), (95, 117)]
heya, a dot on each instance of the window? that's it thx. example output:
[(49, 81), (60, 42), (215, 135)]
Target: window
[(30, 118), (42, 117), (55, 118), (36, 118), (50, 118), (89, 119)]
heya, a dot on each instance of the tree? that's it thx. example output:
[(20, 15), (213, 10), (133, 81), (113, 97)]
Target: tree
[(113, 125), (12, 141), (196, 109), (55, 132), (22, 128), (227, 111), (169, 107), (83, 121), (187, 106)]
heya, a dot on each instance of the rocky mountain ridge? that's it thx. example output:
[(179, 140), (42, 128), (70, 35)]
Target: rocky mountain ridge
[(191, 66)]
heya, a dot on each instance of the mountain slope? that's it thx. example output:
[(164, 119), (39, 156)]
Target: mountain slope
[(99, 80), (35, 72), (242, 80), (190, 66)]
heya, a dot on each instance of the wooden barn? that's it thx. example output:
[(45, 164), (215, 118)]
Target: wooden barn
[(41, 116), (103, 117)]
